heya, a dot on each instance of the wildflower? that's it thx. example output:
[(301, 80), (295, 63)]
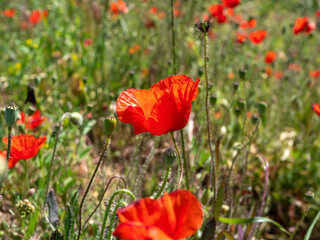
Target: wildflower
[(153, 10), (134, 48), (231, 3), (176, 12), (24, 147), (270, 57), (25, 208), (248, 24), (164, 108), (294, 67), (216, 11), (316, 108), (241, 37), (9, 13), (36, 16), (176, 215), (314, 74), (87, 42), (303, 25), (32, 121), (278, 75), (318, 14), (119, 6), (257, 36)]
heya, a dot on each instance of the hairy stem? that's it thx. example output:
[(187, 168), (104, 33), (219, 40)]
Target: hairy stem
[(90, 184), (4, 175), (213, 163), (164, 183), (180, 160)]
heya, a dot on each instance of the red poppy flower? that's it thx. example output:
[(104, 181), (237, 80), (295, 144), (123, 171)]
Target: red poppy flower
[(216, 10), (231, 3), (176, 215), (3, 155), (9, 13), (316, 108), (164, 108), (318, 13), (257, 36), (315, 73), (36, 16), (278, 75), (24, 147), (87, 42), (241, 37), (294, 67), (303, 25), (33, 121), (119, 6), (270, 57), (153, 10), (248, 24)]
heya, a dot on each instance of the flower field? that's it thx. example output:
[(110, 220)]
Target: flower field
[(159, 120)]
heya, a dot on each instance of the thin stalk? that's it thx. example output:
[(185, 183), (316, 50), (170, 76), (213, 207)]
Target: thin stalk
[(164, 183), (213, 163), (90, 183), (119, 204), (26, 176), (300, 222), (102, 196), (174, 64), (180, 160), (106, 214), (4, 175)]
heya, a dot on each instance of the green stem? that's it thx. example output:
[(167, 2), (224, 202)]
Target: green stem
[(4, 175), (173, 40), (90, 183), (213, 163), (106, 214), (119, 204), (180, 160), (164, 183), (26, 175)]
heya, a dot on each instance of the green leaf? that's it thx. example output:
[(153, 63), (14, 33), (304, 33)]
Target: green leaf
[(56, 235), (218, 206), (252, 220), (226, 234), (308, 234), (209, 230), (32, 224), (68, 223), (88, 127)]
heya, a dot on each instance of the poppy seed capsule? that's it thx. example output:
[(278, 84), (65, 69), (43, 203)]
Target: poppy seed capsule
[(242, 73), (213, 99), (170, 156), (11, 114), (110, 124), (235, 86), (76, 118)]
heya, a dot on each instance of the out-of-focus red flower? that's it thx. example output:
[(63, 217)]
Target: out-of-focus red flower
[(153, 10), (230, 12), (221, 18), (294, 67), (36, 16), (318, 13), (149, 23), (176, 12), (278, 75), (303, 25), (119, 6), (248, 24), (87, 42), (257, 36), (9, 12), (316, 108), (216, 10), (241, 37), (134, 48), (231, 3), (315, 73), (164, 108), (176, 215), (270, 57), (205, 17), (24, 147), (32, 121)]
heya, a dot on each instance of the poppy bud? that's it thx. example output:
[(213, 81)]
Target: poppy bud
[(213, 99), (170, 156), (31, 192), (110, 124), (262, 106), (235, 86), (11, 114), (76, 118), (254, 119), (242, 105), (242, 73)]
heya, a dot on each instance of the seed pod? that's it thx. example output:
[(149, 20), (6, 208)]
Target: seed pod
[(110, 124), (170, 156), (11, 114)]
